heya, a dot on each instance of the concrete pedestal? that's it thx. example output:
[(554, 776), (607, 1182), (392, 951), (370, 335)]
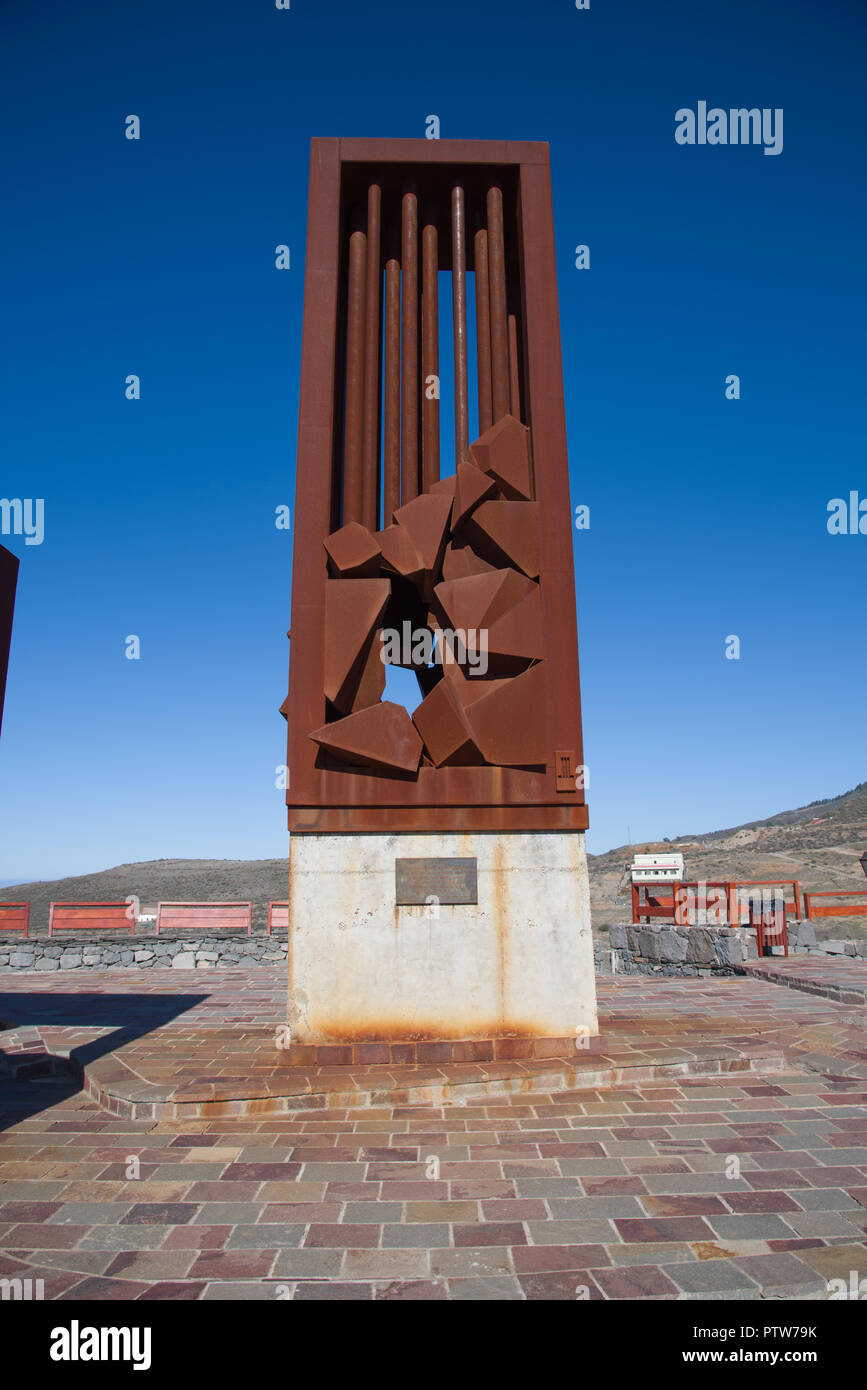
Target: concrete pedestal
[(518, 963)]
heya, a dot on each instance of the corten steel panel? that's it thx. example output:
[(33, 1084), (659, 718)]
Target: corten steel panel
[(8, 580), (323, 797)]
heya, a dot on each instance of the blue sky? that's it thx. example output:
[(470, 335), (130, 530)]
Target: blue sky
[(156, 257)]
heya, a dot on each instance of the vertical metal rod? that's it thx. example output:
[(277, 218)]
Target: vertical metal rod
[(514, 379), (391, 367), (409, 479), (497, 282), (370, 446), (459, 314), (483, 329), (353, 430), (430, 403)]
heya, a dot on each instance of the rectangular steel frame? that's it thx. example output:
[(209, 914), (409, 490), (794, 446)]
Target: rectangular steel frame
[(470, 798), (8, 583)]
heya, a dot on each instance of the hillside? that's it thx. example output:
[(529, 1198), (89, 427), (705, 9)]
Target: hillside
[(819, 844), (259, 881)]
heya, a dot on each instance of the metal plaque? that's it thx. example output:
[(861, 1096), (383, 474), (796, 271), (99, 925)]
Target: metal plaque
[(446, 881)]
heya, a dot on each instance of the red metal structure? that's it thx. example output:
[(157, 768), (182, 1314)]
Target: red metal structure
[(15, 917), (769, 923), (384, 541), (716, 905), (737, 887), (732, 900), (278, 917), (220, 916), (72, 916), (8, 582), (816, 904), (649, 900)]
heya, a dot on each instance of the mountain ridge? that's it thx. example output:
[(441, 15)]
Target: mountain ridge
[(821, 851)]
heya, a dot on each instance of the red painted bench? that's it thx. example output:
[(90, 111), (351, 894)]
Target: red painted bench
[(205, 917), (71, 916), (278, 916), (15, 917)]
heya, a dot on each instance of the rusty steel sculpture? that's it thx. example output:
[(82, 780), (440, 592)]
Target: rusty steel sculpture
[(383, 540), (8, 581), (438, 880)]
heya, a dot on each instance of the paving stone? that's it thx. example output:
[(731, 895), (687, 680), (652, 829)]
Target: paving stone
[(752, 1226), (547, 1187), (663, 1228), (335, 1236), (333, 1291), (197, 1238), (638, 1281), (646, 1251), (293, 1213), (677, 1184), (160, 1214), (101, 1290), (271, 1236), (77, 1261), (777, 1178), (150, 1264), (233, 1264), (826, 1199), (709, 1277), (415, 1290), (761, 1201), (836, 1261), (781, 1275), (835, 1176), (563, 1286), (235, 1291), (827, 1224), (228, 1213), (588, 1208), (385, 1264), (490, 1233), (442, 1211), (367, 1213), (471, 1260), (699, 1204), (124, 1237), (184, 1172), (86, 1214), (398, 1233), (309, 1264), (547, 1259), (485, 1290), (571, 1232), (620, 1188)]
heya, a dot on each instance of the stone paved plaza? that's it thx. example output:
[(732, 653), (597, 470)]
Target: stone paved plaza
[(711, 1144)]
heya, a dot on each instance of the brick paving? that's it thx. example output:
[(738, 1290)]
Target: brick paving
[(843, 978), (737, 1184), (154, 1051)]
